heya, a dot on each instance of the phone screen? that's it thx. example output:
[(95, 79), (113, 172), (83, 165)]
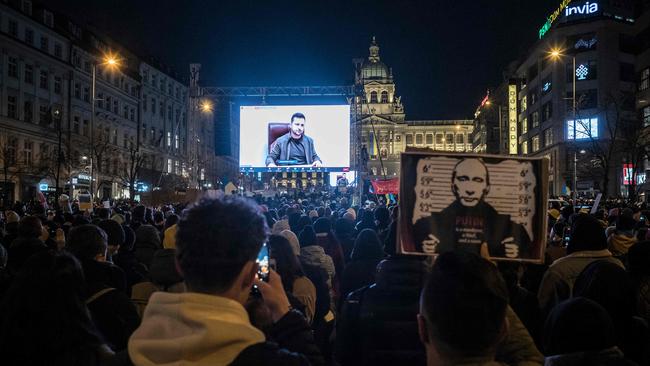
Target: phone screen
[(263, 262)]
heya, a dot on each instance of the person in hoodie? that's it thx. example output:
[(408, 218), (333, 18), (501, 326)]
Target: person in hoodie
[(28, 242), (105, 294), (147, 242), (623, 237), (218, 240)]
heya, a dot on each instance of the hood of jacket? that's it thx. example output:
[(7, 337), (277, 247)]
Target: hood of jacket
[(191, 329), (587, 358), (620, 243)]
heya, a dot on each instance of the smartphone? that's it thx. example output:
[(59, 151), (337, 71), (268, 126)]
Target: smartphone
[(263, 262)]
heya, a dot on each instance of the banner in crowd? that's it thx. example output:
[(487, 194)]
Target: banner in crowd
[(387, 186), (491, 205)]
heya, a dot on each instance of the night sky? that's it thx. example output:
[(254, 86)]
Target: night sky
[(444, 53)]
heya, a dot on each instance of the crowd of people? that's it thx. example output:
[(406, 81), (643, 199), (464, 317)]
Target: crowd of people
[(178, 284)]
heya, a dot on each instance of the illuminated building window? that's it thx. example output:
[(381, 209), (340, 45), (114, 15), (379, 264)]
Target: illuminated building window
[(384, 97), (409, 139), (524, 147), (548, 137), (373, 97), (582, 129), (524, 125), (429, 139), (418, 139), (535, 143)]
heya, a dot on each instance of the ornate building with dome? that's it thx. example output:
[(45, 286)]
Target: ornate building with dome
[(384, 130)]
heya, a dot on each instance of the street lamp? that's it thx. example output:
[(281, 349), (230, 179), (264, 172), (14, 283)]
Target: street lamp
[(112, 62), (556, 54)]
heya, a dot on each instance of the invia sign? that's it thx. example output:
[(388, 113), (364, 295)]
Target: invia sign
[(577, 8), (584, 9)]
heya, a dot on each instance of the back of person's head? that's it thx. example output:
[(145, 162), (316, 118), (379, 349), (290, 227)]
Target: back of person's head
[(215, 239), (103, 213), (307, 237), (80, 220), (158, 217), (87, 242), (302, 222), (287, 264), (114, 232), (586, 234), (30, 227), (293, 217), (139, 213), (12, 216), (463, 306), (163, 271), (577, 325), (625, 223), (382, 215), (293, 241), (147, 236), (567, 211), (59, 334), (322, 225), (172, 219), (638, 259), (129, 239), (610, 286), (367, 246), (343, 228)]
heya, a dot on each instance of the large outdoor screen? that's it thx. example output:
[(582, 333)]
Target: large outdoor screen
[(294, 138)]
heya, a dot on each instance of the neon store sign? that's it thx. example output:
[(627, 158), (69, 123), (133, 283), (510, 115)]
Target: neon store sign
[(586, 8)]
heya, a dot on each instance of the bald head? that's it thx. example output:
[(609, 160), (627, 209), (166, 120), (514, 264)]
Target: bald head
[(470, 181)]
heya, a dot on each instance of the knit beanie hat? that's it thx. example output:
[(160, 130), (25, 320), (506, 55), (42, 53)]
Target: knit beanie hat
[(586, 234), (322, 225), (280, 226), (12, 216), (293, 240), (119, 218), (114, 231)]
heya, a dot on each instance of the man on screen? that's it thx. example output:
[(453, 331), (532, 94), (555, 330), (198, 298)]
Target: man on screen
[(294, 148), (470, 223)]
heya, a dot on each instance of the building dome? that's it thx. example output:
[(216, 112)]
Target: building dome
[(373, 68)]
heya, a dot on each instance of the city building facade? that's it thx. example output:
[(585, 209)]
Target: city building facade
[(384, 130), (593, 137), (81, 113)]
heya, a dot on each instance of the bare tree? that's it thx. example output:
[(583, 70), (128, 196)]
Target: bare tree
[(603, 147), (134, 162)]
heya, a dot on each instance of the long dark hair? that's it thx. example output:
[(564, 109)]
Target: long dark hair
[(43, 319), (287, 264)]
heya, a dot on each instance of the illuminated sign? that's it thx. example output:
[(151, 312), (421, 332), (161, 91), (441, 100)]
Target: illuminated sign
[(83, 176), (546, 87), (585, 43), (549, 21), (585, 9), (43, 187), (582, 72), (586, 128), (628, 174), (512, 119)]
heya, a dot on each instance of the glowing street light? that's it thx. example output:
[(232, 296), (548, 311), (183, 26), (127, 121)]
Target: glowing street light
[(206, 106)]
